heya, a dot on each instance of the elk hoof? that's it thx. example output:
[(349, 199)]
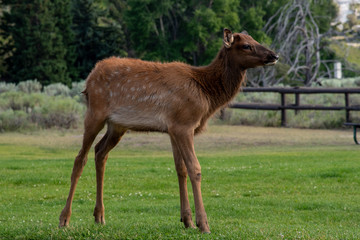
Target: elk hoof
[(100, 220), (187, 220), (99, 216), (188, 223), (64, 218), (203, 227)]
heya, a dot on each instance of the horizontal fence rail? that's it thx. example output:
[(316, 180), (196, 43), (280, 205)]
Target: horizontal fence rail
[(283, 106)]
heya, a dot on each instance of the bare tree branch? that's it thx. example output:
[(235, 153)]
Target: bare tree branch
[(297, 41)]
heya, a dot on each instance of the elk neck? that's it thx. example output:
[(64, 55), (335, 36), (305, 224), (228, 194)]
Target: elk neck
[(220, 80)]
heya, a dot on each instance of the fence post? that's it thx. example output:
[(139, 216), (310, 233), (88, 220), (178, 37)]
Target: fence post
[(283, 111), (346, 107), (297, 102), (222, 114)]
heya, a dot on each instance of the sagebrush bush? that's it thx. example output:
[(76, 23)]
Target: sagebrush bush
[(57, 89), (77, 88), (29, 86), (11, 120), (76, 91), (339, 83), (61, 112), (21, 101), (7, 87), (19, 111)]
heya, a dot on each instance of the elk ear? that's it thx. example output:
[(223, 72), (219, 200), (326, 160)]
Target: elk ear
[(228, 38), (245, 32)]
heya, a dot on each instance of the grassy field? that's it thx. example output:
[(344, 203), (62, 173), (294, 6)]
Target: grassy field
[(258, 183)]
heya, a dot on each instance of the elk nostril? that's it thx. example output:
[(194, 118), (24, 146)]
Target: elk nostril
[(276, 57)]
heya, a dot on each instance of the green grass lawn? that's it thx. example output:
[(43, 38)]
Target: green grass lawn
[(258, 183)]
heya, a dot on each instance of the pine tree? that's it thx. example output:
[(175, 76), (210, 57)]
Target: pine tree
[(37, 49), (62, 14), (96, 37)]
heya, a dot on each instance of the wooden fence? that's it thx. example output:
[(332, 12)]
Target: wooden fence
[(283, 106)]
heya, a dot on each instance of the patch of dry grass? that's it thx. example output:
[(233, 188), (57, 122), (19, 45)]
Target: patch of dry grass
[(216, 138)]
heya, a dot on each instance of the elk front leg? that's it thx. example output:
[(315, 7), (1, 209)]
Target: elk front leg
[(184, 140), (181, 170), (91, 130), (108, 142)]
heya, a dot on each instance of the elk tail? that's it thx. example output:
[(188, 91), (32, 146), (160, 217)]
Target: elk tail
[(85, 93)]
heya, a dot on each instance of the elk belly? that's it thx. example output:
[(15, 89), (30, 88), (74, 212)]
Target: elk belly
[(139, 119)]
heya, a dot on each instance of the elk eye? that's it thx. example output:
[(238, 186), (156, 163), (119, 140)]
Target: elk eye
[(247, 46)]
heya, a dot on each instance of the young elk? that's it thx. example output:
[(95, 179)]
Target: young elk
[(174, 98)]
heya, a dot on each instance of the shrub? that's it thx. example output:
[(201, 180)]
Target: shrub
[(345, 82), (20, 101), (11, 120), (77, 88), (21, 111), (29, 86), (59, 112), (12, 100), (57, 89), (7, 87)]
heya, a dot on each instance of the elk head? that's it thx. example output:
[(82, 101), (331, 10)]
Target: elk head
[(244, 51)]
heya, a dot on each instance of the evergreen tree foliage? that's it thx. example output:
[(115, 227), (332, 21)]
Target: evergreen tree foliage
[(179, 30), (62, 14), (95, 36), (36, 49)]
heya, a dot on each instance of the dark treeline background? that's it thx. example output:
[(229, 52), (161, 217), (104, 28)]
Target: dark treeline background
[(61, 40)]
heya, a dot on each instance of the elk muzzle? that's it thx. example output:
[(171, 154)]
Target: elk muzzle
[(271, 59)]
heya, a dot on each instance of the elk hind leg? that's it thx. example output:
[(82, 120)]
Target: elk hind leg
[(108, 142)]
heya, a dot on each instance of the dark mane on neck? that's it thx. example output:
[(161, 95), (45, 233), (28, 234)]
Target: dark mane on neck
[(220, 80)]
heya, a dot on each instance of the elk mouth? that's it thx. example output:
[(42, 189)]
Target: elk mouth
[(270, 63), (272, 59)]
